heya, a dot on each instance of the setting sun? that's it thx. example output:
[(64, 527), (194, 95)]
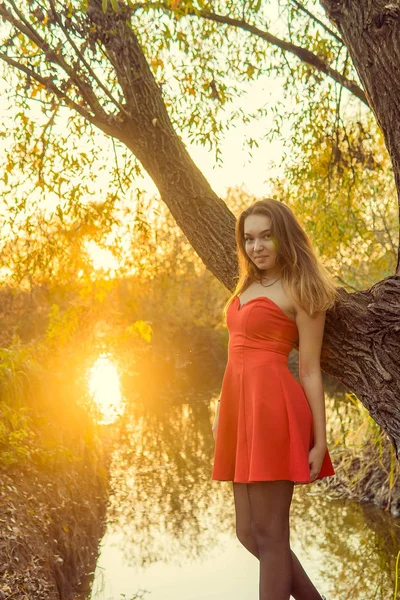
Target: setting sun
[(105, 390)]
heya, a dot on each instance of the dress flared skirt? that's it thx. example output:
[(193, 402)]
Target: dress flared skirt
[(265, 429)]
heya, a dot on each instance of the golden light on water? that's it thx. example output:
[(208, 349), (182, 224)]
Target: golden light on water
[(104, 387)]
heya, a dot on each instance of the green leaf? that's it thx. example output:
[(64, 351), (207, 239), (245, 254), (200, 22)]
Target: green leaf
[(104, 5)]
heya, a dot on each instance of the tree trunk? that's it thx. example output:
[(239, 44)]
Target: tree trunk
[(362, 335), (203, 217), (362, 349)]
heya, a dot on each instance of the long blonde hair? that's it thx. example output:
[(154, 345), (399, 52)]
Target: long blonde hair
[(308, 280)]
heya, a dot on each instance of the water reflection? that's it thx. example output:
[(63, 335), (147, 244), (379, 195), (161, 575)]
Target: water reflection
[(171, 528), (104, 387), (354, 546), (161, 484)]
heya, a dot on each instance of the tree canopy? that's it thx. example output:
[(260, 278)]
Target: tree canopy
[(201, 56)]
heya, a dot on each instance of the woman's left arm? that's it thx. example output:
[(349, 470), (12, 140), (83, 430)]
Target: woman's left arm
[(311, 332)]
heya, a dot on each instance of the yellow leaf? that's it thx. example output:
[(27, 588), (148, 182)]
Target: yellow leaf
[(250, 71), (157, 62)]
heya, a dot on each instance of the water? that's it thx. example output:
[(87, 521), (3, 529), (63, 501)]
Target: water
[(171, 529)]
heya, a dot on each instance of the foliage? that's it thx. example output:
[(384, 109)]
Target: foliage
[(26, 434), (342, 188), (16, 436), (64, 182)]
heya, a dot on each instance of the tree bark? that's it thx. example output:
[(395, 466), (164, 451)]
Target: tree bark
[(362, 349)]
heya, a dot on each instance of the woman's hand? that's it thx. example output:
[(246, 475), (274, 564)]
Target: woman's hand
[(215, 424), (315, 460)]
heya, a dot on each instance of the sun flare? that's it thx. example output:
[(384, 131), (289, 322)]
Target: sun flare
[(102, 259), (104, 386)]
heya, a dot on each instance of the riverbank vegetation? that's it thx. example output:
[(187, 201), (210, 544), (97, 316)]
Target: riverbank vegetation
[(53, 474)]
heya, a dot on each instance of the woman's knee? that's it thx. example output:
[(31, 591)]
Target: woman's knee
[(245, 535), (270, 534)]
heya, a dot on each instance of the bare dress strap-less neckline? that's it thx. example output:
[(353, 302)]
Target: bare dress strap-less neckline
[(240, 306)]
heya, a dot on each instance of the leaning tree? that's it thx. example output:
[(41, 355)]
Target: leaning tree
[(105, 61)]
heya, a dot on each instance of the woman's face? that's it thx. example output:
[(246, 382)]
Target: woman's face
[(260, 246)]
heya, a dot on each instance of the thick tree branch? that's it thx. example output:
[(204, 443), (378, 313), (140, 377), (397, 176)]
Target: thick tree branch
[(150, 135), (303, 54)]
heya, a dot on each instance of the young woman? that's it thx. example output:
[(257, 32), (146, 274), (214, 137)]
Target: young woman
[(269, 429)]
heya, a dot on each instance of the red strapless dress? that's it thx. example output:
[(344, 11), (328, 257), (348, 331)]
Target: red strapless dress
[(265, 427)]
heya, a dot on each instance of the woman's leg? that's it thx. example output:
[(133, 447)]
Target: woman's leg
[(302, 587), (269, 507)]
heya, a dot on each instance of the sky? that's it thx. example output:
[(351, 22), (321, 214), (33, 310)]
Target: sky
[(239, 168)]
